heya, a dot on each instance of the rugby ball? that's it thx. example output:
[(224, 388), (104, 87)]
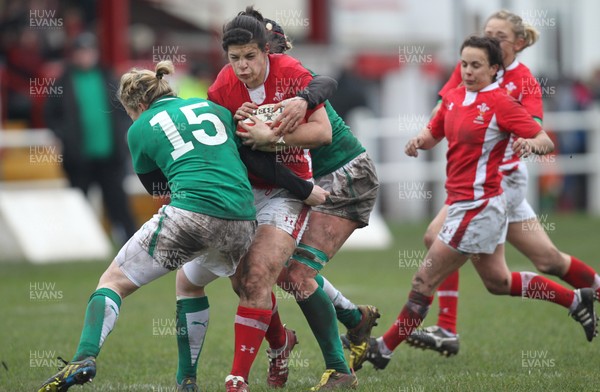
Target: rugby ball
[(265, 113)]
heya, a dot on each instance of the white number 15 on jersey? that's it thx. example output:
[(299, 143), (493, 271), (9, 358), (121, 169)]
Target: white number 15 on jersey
[(172, 133)]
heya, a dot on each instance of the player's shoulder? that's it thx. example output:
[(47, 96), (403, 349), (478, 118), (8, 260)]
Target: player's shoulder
[(523, 69), (503, 100), (136, 129), (520, 74), (283, 59), (285, 63), (224, 81), (456, 93)]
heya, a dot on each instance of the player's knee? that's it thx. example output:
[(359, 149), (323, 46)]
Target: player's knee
[(255, 282), (497, 286), (429, 237), (293, 280), (300, 283), (549, 261), (184, 287)]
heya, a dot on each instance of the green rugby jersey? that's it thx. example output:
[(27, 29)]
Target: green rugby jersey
[(344, 146), (192, 142)]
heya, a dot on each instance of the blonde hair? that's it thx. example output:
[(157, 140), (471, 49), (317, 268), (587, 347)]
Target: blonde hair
[(144, 86), (519, 27)]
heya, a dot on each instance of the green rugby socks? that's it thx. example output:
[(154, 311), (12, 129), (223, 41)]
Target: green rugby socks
[(320, 314), (100, 318), (192, 323)]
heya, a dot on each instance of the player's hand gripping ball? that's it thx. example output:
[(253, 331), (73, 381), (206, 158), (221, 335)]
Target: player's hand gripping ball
[(265, 113)]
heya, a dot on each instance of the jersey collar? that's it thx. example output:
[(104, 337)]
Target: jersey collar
[(164, 99), (513, 65), (490, 87), (501, 72), (258, 94), (471, 96)]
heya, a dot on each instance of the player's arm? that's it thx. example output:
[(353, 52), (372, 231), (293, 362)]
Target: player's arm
[(429, 136), (314, 133), (531, 138), (531, 99), (320, 89), (435, 109), (155, 182), (540, 144), (265, 166), (423, 141)]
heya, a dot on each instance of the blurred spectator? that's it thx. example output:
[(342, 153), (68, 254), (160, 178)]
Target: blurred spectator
[(92, 130)]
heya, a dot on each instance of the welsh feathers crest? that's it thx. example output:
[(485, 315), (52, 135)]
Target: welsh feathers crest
[(510, 88), (482, 109)]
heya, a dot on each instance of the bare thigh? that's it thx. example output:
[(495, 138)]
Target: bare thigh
[(493, 271), (530, 239), (435, 226), (260, 267), (113, 278), (327, 232)]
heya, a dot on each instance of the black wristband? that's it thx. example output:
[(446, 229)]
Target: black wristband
[(320, 89), (264, 165)]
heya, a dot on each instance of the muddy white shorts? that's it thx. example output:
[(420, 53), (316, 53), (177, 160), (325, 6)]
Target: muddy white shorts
[(174, 236), (478, 226), (278, 207), (353, 189)]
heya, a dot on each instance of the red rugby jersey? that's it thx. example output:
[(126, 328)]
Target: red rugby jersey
[(477, 127), (286, 76), (519, 83)]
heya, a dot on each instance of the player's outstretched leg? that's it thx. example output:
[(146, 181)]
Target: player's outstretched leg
[(319, 313), (358, 319), (100, 318), (441, 337), (580, 302)]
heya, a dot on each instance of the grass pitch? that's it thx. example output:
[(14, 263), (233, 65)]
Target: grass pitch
[(507, 344)]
